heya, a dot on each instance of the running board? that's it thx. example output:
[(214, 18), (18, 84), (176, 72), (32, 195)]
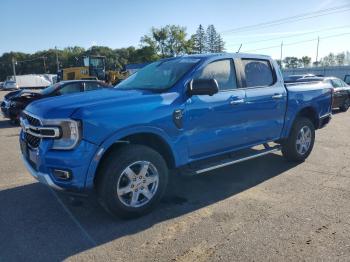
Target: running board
[(232, 161)]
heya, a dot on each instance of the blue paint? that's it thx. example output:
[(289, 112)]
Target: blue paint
[(211, 124)]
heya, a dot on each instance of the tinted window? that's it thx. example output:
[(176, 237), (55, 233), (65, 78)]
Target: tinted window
[(70, 88), (347, 79), (257, 73), (223, 71), (336, 83), (89, 86), (342, 83)]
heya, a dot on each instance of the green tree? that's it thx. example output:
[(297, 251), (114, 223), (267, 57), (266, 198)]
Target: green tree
[(328, 60), (340, 58), (290, 62), (199, 40), (214, 41), (211, 39), (305, 61), (167, 41)]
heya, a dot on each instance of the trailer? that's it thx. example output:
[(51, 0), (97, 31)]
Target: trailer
[(34, 81)]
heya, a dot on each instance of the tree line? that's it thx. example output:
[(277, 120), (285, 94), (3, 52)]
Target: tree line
[(167, 41), (331, 59)]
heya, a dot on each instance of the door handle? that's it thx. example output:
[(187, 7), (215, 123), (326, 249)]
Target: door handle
[(236, 102), (277, 96)]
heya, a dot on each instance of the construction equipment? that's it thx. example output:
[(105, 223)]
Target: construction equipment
[(114, 77), (92, 67)]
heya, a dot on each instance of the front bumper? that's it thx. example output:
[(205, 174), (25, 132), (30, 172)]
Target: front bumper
[(41, 177), (42, 161)]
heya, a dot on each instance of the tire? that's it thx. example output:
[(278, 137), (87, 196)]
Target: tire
[(296, 149), (345, 106), (124, 186)]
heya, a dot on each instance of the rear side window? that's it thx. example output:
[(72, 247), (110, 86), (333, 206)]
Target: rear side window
[(222, 71), (258, 73)]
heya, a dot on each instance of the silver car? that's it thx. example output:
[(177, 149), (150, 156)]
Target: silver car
[(10, 85)]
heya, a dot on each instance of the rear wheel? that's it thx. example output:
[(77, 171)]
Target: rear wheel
[(345, 106), (300, 142), (133, 180)]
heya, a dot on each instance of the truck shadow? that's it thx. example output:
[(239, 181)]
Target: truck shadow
[(33, 220)]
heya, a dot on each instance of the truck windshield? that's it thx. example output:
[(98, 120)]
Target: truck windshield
[(159, 75)]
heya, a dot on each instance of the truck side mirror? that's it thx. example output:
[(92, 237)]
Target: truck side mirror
[(202, 87)]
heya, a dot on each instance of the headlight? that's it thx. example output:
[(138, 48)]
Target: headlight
[(69, 133)]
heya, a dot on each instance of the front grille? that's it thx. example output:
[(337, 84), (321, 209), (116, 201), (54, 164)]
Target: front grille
[(32, 120), (33, 141)]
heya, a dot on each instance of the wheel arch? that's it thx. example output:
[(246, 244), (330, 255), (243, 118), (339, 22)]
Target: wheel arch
[(310, 113), (151, 138)]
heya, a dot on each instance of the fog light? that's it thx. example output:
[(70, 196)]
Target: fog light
[(62, 174)]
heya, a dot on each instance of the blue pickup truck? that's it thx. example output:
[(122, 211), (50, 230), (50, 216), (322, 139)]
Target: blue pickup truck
[(188, 114)]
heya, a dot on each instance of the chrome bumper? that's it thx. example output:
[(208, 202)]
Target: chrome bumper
[(41, 177)]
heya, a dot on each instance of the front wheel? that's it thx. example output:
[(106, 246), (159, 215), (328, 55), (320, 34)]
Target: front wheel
[(133, 180), (300, 142)]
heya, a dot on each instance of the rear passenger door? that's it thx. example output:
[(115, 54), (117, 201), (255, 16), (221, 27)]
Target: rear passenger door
[(215, 123), (266, 100)]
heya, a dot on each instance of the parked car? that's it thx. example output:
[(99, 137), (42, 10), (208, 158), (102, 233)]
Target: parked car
[(341, 96), (10, 85), (14, 102), (1, 85), (186, 114), (293, 78)]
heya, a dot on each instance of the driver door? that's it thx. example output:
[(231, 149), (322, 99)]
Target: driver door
[(215, 123)]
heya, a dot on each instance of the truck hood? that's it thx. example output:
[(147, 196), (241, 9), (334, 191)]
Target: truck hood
[(67, 105)]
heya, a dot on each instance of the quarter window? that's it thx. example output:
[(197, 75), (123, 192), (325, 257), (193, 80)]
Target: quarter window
[(222, 71), (258, 73)]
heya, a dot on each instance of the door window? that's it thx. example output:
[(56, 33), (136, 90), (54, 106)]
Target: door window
[(258, 73), (336, 83), (89, 86), (222, 71), (70, 88)]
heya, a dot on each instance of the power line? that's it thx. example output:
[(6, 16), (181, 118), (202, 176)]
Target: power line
[(298, 42), (290, 36), (290, 19), (30, 60)]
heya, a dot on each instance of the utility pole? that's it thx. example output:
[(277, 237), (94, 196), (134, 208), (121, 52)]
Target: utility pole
[(44, 58), (57, 63), (281, 53), (318, 44), (14, 68)]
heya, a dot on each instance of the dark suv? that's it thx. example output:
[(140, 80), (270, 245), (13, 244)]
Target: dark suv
[(14, 102)]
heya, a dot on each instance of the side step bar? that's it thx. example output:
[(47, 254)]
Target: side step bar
[(231, 161)]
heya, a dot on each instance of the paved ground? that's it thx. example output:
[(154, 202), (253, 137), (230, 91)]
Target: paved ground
[(263, 209)]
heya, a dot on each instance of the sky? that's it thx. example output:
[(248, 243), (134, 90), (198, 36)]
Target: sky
[(32, 25)]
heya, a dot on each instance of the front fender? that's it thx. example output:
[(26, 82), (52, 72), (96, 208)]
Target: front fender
[(117, 137)]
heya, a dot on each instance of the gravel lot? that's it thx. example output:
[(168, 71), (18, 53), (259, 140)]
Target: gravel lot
[(263, 209)]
